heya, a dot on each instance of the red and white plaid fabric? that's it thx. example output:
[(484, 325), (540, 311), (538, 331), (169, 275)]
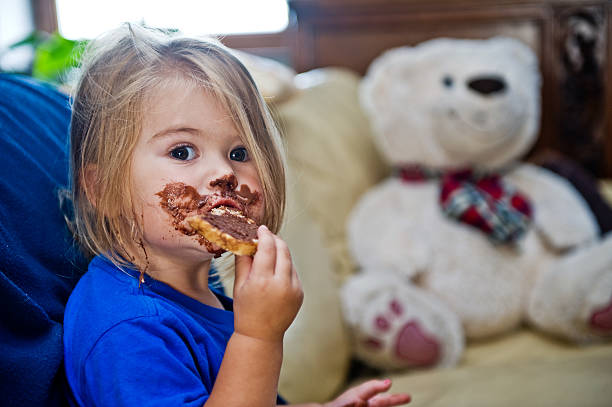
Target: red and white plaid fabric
[(481, 200)]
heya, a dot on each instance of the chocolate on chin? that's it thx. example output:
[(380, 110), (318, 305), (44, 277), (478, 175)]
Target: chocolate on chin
[(227, 228)]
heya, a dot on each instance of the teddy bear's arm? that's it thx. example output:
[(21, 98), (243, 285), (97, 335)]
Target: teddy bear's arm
[(387, 228), (561, 215)]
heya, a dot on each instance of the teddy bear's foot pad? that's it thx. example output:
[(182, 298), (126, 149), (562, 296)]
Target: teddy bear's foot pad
[(601, 320), (416, 347)]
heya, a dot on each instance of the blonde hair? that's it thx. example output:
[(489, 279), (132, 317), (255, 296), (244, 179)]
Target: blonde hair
[(119, 73)]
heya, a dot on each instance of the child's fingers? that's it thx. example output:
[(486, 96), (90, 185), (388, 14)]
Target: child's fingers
[(295, 278), (243, 267), (265, 258), (296, 286), (371, 388), (284, 266), (389, 400)]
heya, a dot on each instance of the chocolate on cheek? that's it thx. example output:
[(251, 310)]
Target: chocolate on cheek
[(252, 201), (179, 200), (245, 193)]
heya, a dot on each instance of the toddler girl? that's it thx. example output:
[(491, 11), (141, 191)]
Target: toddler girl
[(164, 126)]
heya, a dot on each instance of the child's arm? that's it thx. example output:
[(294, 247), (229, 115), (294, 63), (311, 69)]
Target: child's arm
[(365, 395), (267, 297)]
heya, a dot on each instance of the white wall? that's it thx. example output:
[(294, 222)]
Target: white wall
[(16, 22)]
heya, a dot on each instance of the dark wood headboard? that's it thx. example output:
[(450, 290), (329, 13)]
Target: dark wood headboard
[(572, 39)]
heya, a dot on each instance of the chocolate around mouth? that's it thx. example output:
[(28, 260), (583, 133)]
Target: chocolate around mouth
[(228, 185), (181, 200)]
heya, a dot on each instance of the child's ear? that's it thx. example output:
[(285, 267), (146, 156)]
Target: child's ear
[(89, 182)]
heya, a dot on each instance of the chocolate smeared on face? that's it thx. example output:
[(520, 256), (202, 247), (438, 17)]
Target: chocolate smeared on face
[(210, 248), (228, 183), (244, 196), (181, 200), (245, 193)]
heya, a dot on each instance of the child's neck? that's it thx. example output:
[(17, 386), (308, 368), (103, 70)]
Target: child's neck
[(191, 280)]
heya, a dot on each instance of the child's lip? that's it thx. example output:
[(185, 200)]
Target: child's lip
[(216, 201)]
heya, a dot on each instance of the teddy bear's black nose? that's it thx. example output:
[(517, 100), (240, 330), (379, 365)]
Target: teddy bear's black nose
[(487, 85)]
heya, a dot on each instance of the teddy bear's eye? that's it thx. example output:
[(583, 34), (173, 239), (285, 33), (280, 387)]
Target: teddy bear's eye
[(447, 81)]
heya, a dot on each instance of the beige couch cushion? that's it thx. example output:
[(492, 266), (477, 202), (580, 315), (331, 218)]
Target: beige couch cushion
[(274, 79), (520, 369), (317, 350), (331, 151)]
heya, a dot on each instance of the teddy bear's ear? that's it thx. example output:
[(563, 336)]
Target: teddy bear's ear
[(380, 82), (518, 49)]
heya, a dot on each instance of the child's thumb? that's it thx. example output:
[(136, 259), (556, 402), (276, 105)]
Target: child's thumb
[(243, 267)]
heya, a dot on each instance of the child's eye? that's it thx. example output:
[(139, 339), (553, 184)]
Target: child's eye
[(239, 154), (183, 153)]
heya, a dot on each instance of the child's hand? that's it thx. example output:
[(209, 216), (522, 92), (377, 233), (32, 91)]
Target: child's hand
[(367, 395), (267, 290)]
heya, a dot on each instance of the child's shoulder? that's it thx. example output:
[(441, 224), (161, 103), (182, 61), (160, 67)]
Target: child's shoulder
[(106, 296)]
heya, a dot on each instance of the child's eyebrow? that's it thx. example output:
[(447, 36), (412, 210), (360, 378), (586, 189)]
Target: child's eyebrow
[(176, 129)]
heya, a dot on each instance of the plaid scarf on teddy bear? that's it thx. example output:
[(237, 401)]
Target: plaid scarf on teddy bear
[(481, 200)]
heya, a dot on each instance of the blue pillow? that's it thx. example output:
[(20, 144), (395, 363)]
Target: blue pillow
[(39, 261)]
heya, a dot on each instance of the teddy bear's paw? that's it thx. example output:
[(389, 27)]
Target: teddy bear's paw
[(601, 319), (410, 344), (397, 325), (415, 346), (572, 297), (598, 307), (408, 329)]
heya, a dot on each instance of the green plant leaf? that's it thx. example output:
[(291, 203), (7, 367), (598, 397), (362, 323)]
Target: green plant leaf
[(33, 39), (55, 56)]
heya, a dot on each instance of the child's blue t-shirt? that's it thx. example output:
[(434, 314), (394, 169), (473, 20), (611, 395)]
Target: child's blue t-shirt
[(147, 345)]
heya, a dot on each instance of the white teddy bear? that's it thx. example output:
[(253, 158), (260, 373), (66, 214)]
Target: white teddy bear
[(465, 240)]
